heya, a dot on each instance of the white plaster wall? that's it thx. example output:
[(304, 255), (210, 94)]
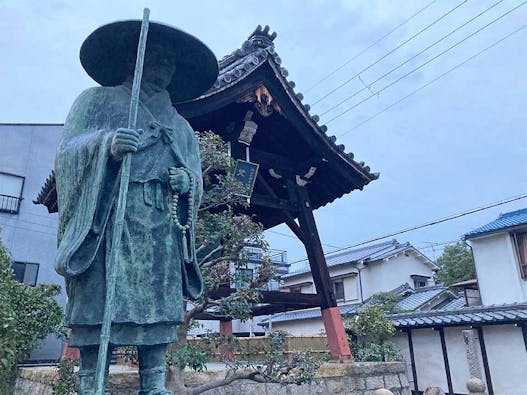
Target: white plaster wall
[(429, 359), (507, 359), (30, 235), (387, 275), (400, 340), (351, 291), (457, 359), (497, 269), (301, 327), (506, 354)]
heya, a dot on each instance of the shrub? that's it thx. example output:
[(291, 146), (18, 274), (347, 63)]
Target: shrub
[(27, 316)]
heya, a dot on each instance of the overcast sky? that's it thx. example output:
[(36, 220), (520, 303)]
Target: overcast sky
[(457, 144)]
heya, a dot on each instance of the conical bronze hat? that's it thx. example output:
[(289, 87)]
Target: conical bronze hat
[(106, 52)]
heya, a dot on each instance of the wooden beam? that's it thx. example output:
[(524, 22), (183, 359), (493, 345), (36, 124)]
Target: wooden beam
[(271, 202), (445, 360), (298, 300), (315, 254), (288, 217), (272, 161)]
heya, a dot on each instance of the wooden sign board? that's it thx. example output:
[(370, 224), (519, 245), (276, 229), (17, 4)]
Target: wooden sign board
[(245, 172)]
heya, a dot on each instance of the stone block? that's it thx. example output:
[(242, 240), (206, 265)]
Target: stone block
[(391, 381), (356, 383), (374, 382), (403, 379)]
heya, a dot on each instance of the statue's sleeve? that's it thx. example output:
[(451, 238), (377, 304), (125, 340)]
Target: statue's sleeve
[(192, 279), (81, 172)]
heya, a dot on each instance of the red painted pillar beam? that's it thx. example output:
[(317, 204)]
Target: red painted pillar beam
[(226, 349), (226, 328), (69, 352), (337, 339)]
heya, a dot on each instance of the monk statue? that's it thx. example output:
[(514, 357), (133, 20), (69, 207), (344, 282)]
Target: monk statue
[(157, 266)]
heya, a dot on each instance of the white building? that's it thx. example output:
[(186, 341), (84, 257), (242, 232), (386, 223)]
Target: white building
[(433, 343), (356, 275), (500, 254)]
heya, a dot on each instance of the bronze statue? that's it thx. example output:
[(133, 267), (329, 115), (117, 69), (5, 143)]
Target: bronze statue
[(156, 259)]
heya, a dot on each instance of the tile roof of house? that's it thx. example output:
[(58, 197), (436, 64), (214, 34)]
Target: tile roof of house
[(366, 254), (454, 304), (422, 296), (473, 315), (504, 221)]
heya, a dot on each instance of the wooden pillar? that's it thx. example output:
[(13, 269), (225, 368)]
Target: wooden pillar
[(69, 352), (226, 348), (226, 328), (485, 360), (333, 324), (524, 333), (445, 360), (412, 359)]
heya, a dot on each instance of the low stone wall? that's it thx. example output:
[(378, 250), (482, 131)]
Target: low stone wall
[(332, 378)]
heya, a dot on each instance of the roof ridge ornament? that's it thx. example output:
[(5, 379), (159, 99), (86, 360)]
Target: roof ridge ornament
[(261, 37)]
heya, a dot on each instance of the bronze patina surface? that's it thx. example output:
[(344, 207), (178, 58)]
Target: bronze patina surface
[(156, 262)]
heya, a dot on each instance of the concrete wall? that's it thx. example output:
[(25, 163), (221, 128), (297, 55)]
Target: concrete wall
[(498, 272), (30, 235), (506, 353)]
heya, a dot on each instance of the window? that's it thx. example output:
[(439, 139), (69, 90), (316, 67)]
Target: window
[(10, 192), (520, 242), (243, 277), (25, 272), (338, 287), (419, 283)]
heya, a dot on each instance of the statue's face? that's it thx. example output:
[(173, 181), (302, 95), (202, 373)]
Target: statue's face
[(158, 67)]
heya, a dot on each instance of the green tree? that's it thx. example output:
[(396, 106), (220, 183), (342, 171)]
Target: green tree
[(455, 264), (27, 316), (369, 333)]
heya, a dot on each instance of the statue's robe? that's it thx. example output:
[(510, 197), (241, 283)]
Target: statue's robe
[(153, 276)]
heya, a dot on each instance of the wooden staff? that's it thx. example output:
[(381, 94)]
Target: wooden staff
[(112, 263)]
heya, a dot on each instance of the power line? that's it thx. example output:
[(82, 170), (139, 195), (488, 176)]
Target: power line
[(432, 81), (409, 60), (424, 64), (430, 223), (392, 51), (369, 46), (296, 238), (30, 230)]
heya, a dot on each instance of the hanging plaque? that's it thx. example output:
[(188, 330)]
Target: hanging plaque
[(245, 172)]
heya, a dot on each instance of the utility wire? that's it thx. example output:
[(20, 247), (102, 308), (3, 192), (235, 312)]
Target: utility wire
[(434, 80), (424, 64), (367, 48), (296, 238), (430, 223), (368, 86), (390, 52), (28, 229)]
